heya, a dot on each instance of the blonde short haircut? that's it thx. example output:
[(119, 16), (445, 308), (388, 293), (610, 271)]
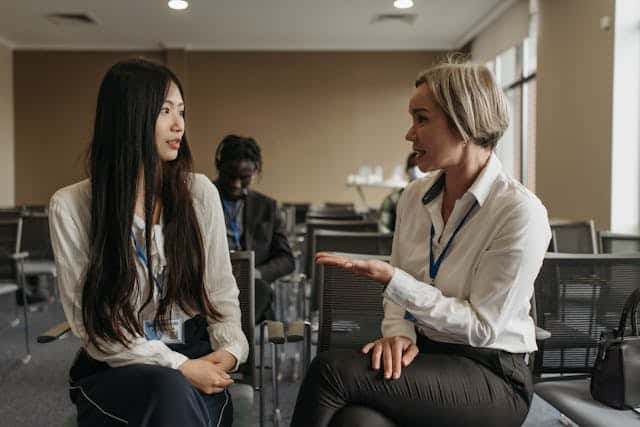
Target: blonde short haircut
[(471, 99)]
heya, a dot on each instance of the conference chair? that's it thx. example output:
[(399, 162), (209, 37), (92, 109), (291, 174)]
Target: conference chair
[(578, 296), (350, 307), (343, 211), (350, 316), (12, 272), (332, 224), (577, 237), (300, 211), (359, 242), (35, 240), (616, 243), (243, 266), (602, 283), (7, 214)]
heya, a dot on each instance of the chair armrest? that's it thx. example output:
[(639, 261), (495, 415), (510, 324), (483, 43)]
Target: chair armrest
[(296, 330), (19, 255), (54, 333), (542, 334), (275, 331)]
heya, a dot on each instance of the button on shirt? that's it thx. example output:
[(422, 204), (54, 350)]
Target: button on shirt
[(481, 294)]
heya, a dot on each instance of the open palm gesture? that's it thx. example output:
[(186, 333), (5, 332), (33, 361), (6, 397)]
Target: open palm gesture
[(374, 269)]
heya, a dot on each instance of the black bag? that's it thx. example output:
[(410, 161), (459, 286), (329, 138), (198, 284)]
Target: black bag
[(615, 379)]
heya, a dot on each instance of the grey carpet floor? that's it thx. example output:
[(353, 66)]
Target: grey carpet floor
[(35, 394)]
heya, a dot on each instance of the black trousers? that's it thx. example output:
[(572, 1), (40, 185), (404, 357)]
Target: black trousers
[(445, 385), (147, 395)]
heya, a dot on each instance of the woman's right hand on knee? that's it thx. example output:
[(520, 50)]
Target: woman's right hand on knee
[(394, 352), (207, 377)]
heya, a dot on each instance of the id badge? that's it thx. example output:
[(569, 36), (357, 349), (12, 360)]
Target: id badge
[(174, 333)]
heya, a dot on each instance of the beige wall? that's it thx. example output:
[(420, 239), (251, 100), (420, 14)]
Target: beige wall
[(55, 94), (318, 116), (575, 74), (506, 31), (7, 181)]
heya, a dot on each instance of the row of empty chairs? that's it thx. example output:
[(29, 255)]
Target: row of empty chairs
[(12, 278), (581, 237)]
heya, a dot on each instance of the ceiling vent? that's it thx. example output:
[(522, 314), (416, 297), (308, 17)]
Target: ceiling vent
[(71, 19), (404, 18)]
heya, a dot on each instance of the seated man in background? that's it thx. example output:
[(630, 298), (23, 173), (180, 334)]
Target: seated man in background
[(252, 219), (387, 221)]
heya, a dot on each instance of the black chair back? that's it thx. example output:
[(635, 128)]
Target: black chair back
[(357, 242), (336, 211), (575, 237), (10, 230), (337, 225), (242, 266), (350, 308), (618, 243), (35, 236), (578, 297), (8, 214)]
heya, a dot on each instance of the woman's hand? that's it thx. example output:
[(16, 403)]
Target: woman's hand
[(222, 358), (396, 353), (208, 377), (374, 269)]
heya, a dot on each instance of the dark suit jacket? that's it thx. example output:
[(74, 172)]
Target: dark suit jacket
[(263, 232)]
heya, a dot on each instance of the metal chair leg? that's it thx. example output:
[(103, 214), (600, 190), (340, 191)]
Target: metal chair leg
[(306, 357), (274, 384), (261, 376), (25, 308)]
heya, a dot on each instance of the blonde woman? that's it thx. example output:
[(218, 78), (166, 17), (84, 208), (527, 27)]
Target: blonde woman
[(468, 245)]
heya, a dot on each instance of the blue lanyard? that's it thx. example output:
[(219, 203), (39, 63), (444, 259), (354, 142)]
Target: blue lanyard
[(143, 258), (232, 219), (434, 264)]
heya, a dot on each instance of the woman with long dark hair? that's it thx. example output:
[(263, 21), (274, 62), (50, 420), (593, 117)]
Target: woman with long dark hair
[(143, 265)]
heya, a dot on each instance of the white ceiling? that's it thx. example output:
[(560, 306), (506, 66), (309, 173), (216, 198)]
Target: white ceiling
[(245, 24)]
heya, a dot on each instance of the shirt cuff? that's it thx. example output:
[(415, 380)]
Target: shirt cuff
[(403, 289), (235, 352), (177, 359)]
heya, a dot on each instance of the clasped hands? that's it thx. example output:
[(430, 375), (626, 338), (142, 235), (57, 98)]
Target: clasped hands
[(209, 373), (396, 352)]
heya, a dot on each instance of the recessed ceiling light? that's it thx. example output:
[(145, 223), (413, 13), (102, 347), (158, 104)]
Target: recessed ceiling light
[(178, 4), (403, 4)]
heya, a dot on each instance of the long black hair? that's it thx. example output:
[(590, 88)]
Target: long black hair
[(123, 146)]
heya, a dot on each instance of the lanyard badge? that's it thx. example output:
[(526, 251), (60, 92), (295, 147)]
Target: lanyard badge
[(173, 332), (158, 279), (231, 218)]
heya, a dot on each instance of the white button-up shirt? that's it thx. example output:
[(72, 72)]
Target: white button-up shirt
[(481, 294), (69, 223)]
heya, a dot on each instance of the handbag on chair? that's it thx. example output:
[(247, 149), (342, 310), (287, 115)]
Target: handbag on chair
[(615, 379)]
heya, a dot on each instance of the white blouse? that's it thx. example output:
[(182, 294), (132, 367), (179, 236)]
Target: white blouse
[(70, 221), (481, 294)]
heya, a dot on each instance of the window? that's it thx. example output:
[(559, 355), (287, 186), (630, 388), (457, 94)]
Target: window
[(515, 71)]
